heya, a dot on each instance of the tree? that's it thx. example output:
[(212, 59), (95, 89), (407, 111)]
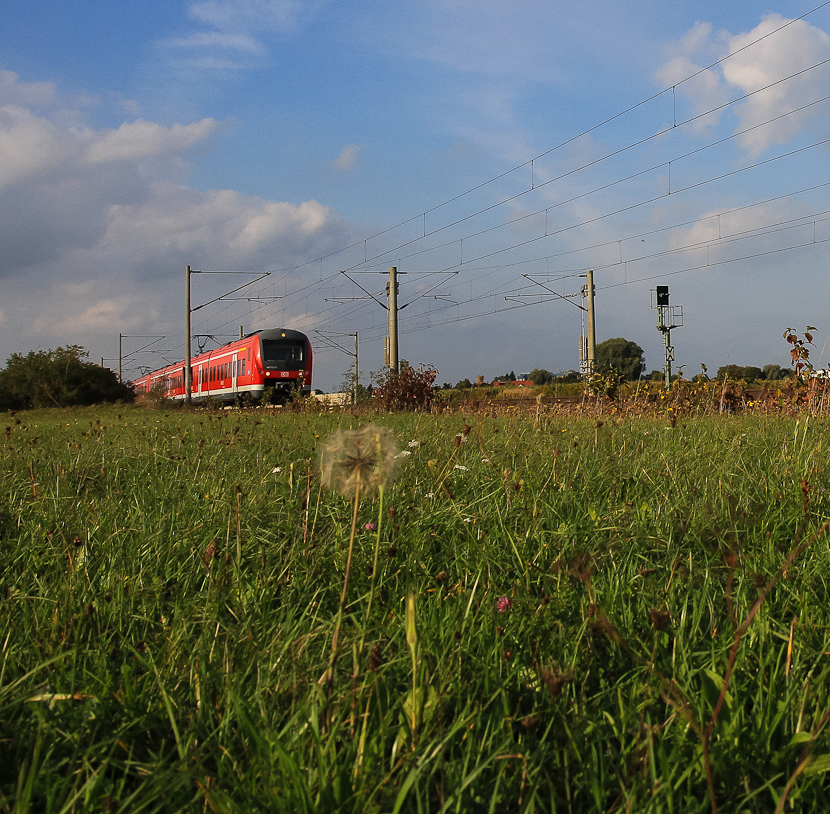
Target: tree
[(622, 355), (348, 385), (773, 373), (540, 376), (738, 373), (58, 378)]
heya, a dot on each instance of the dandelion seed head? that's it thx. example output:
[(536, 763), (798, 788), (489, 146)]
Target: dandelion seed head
[(364, 460)]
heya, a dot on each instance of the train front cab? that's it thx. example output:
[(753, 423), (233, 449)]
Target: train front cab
[(285, 359)]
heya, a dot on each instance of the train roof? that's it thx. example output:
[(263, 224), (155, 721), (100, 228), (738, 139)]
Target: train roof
[(279, 333)]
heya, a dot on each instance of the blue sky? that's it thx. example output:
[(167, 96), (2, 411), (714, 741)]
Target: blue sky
[(269, 135)]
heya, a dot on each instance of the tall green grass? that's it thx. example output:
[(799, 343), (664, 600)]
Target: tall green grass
[(619, 617)]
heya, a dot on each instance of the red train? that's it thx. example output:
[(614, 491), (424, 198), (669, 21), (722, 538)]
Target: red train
[(265, 365)]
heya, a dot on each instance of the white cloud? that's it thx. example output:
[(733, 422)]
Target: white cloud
[(793, 49), (221, 228), (229, 34), (347, 160), (126, 312), (755, 59), (218, 40), (705, 92), (30, 145), (696, 38), (252, 15), (94, 223), (724, 233), (141, 138), (15, 92)]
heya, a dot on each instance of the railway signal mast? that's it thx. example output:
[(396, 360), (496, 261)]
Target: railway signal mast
[(668, 317)]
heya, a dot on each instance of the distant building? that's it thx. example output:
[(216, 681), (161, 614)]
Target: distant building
[(518, 383)]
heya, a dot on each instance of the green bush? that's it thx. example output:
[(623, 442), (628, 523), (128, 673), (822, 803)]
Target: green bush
[(58, 378)]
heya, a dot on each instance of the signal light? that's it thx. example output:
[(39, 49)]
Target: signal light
[(662, 295)]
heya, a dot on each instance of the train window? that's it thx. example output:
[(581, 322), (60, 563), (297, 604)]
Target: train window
[(282, 351)]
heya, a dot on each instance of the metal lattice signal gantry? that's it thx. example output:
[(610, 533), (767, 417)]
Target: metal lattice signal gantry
[(668, 317)]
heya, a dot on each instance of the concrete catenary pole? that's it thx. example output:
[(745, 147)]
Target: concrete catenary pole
[(120, 340), (356, 371), (592, 333), (393, 319), (188, 378)]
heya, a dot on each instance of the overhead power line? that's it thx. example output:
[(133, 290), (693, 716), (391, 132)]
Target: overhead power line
[(297, 304)]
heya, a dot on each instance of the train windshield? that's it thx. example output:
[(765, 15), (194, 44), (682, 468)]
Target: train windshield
[(276, 352)]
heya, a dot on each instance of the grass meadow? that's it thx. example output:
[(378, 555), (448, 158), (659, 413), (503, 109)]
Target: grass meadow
[(544, 613)]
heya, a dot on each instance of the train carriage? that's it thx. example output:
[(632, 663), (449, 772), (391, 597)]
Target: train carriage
[(267, 365)]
